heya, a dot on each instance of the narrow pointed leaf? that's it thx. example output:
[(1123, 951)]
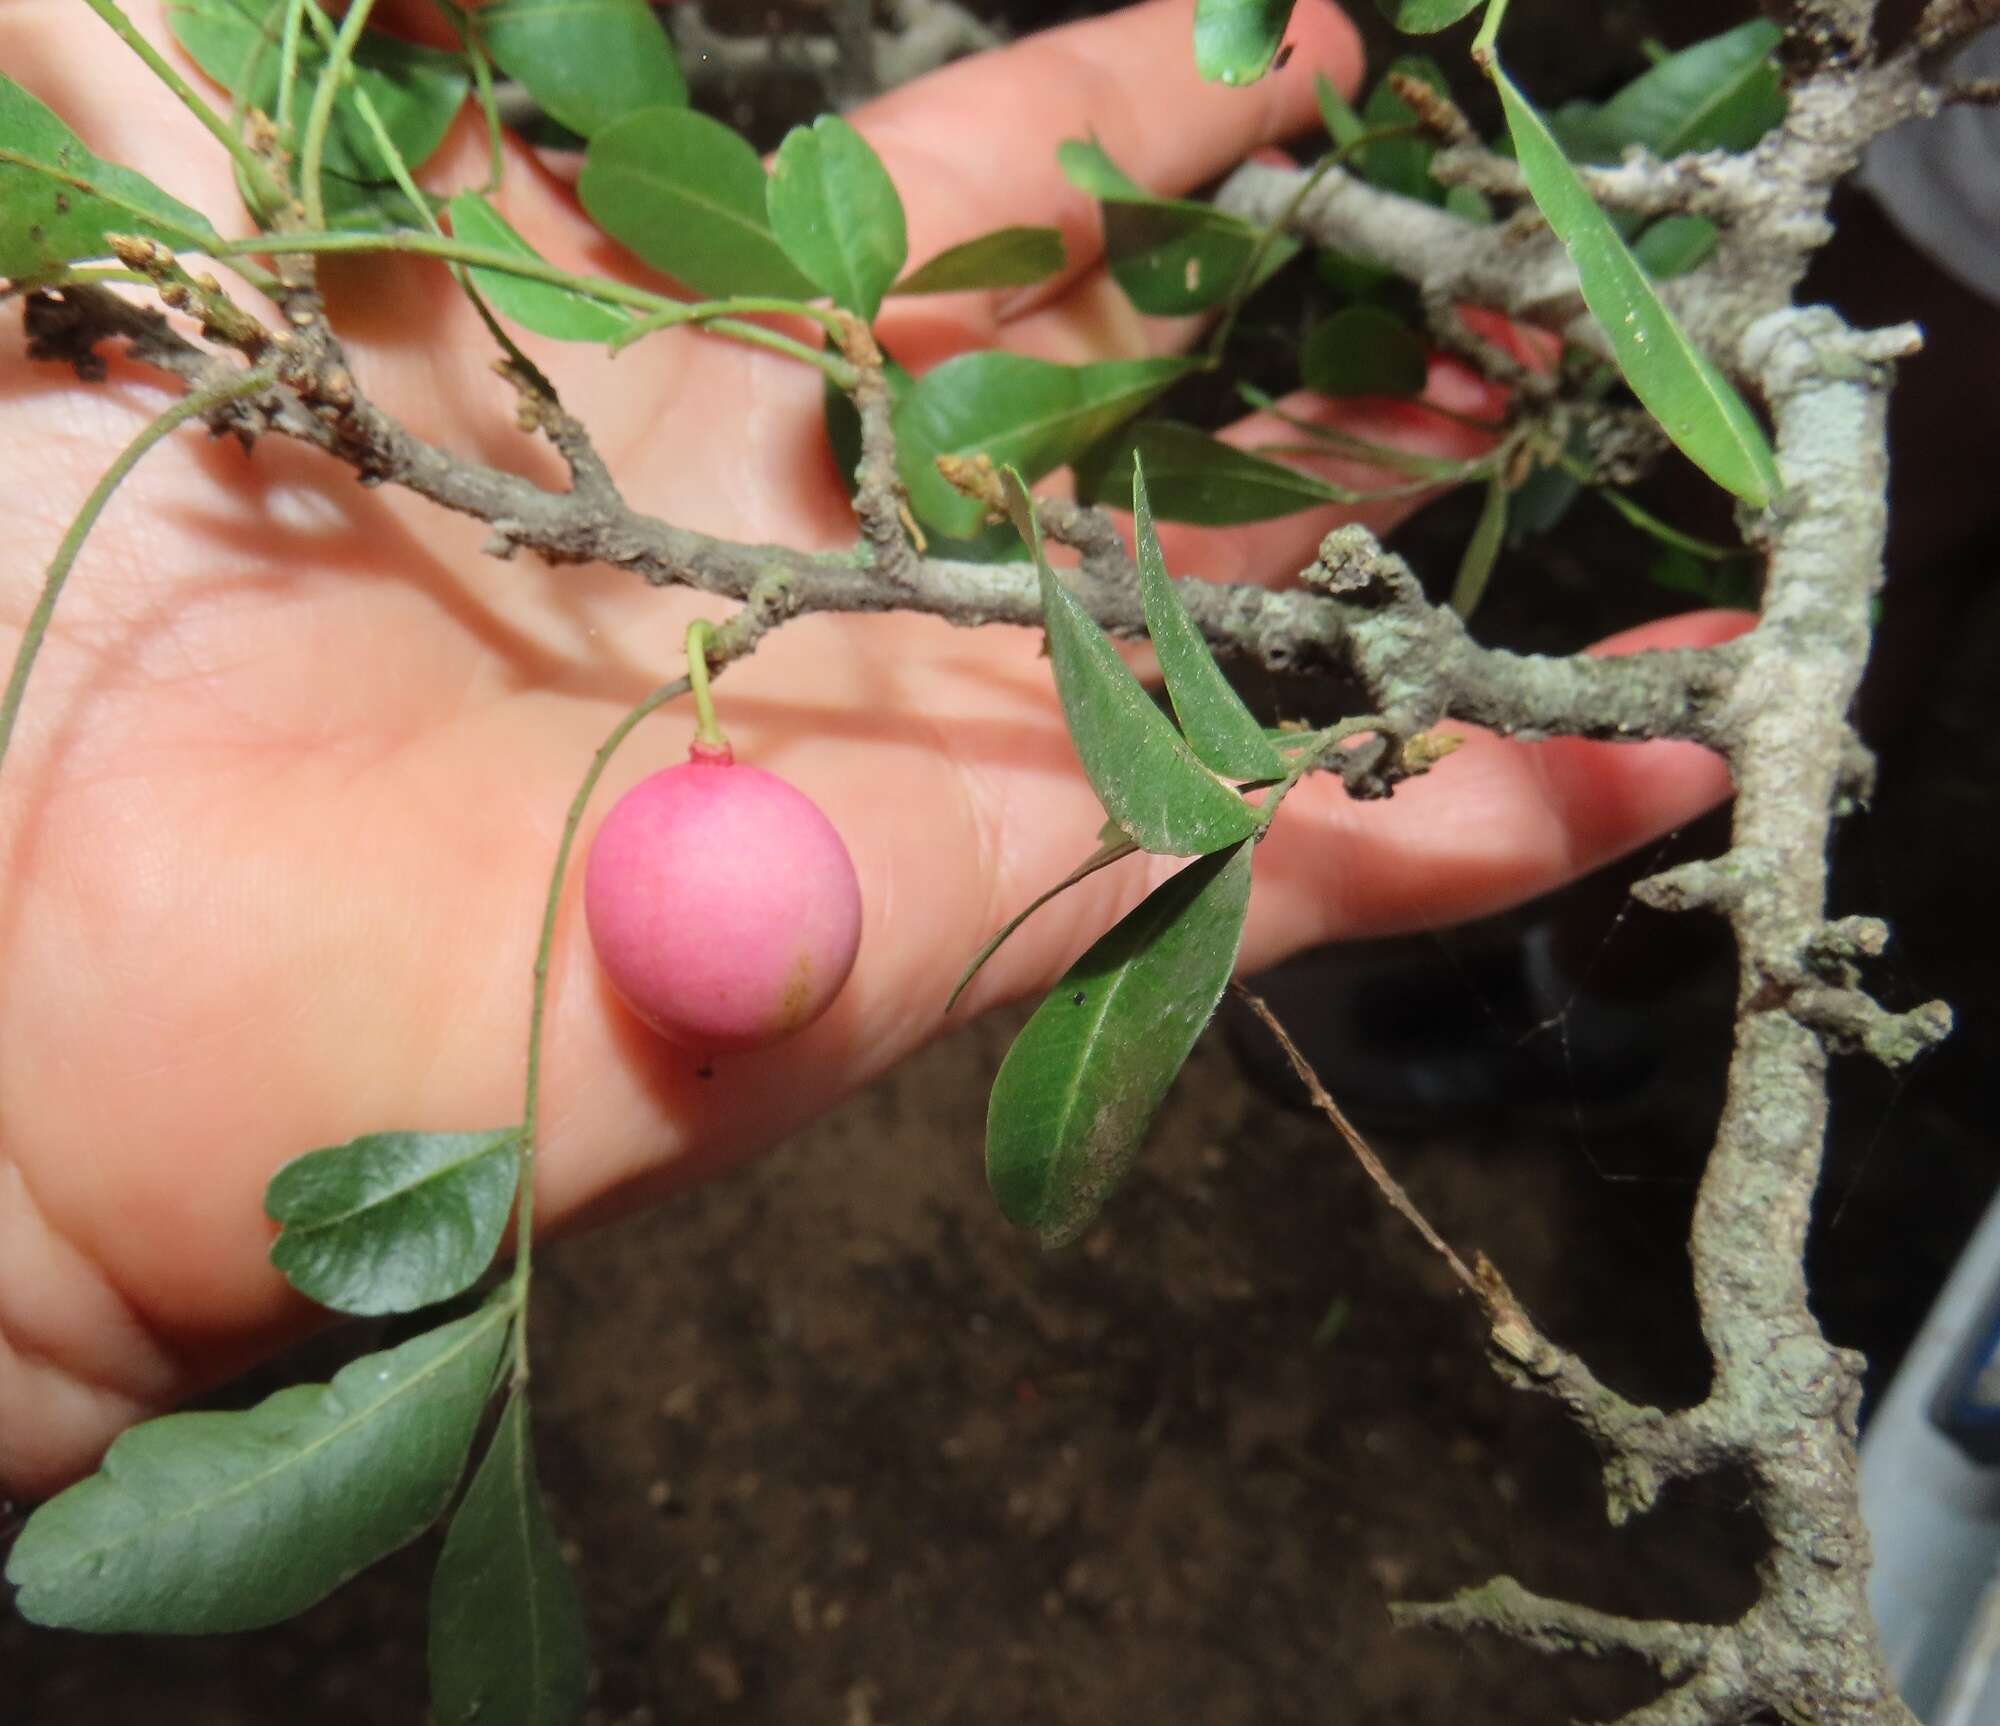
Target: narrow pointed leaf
[(1113, 847), (1089, 1071), (587, 62), (1364, 351), (1146, 777), (1196, 477), (1005, 258), (1171, 256), (393, 1221), (538, 306), (1720, 94), (1679, 385), (835, 211), (1482, 550), (1025, 413), (199, 1523), (1425, 17), (686, 194), (1236, 40), (507, 1641), (1343, 125), (1218, 727), (58, 200)]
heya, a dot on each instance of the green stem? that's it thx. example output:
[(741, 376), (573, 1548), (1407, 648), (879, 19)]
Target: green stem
[(339, 58), (707, 730), (240, 152), (288, 67), (187, 408), (1489, 32), (524, 1212), (467, 27), (1310, 760)]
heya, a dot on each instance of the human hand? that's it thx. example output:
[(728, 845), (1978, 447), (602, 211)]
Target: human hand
[(277, 824)]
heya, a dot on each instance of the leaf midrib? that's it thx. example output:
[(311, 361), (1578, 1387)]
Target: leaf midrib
[(294, 1458), (394, 1193)]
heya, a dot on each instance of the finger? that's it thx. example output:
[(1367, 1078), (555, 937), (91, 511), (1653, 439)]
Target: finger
[(1494, 824), (973, 147)]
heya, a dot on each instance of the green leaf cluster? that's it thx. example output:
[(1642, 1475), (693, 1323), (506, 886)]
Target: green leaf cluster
[(1082, 1083), (416, 93)]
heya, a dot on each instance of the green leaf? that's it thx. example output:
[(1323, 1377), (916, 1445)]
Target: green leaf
[(1343, 125), (1235, 41), (1089, 1071), (1112, 847), (687, 195), (1482, 550), (1679, 386), (1005, 258), (58, 201), (199, 1523), (1171, 256), (1364, 351), (1146, 777), (1196, 477), (507, 1641), (835, 211), (1719, 94), (539, 306), (1025, 413), (1666, 533), (417, 92), (392, 1221), (1425, 17), (587, 62), (1674, 245), (1402, 165), (1218, 727)]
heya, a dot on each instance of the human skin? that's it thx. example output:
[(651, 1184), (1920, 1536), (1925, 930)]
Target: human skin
[(277, 824)]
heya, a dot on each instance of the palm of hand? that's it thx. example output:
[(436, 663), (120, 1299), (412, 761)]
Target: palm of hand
[(280, 815)]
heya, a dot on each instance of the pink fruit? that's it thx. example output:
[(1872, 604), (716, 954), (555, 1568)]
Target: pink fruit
[(722, 904)]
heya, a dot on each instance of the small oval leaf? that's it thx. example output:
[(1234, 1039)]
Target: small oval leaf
[(1084, 1079), (1235, 41), (538, 306), (1402, 164), (507, 1641), (58, 201), (686, 194), (835, 211), (199, 1523), (587, 62), (1679, 385), (1720, 94), (1146, 777), (1364, 351), (1218, 727), (1425, 17), (416, 91), (1026, 413), (391, 1222), (1005, 258), (1171, 256)]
